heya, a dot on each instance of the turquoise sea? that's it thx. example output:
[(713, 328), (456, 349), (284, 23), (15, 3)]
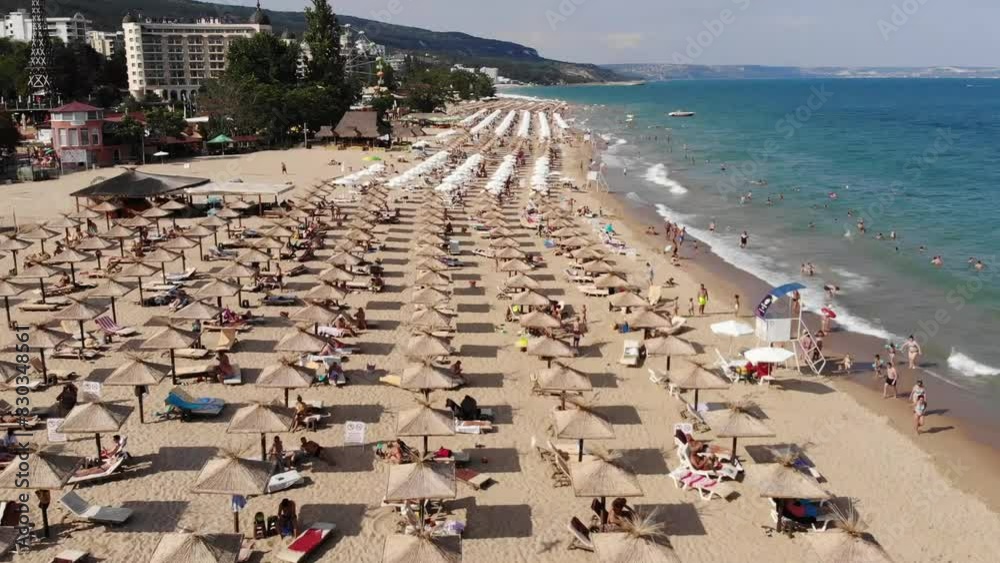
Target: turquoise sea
[(920, 158)]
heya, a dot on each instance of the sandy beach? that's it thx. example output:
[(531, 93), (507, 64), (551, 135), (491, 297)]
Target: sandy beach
[(932, 501)]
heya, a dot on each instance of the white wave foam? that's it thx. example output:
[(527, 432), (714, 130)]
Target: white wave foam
[(852, 280), (659, 174), (636, 198), (621, 142), (969, 367), (766, 268)]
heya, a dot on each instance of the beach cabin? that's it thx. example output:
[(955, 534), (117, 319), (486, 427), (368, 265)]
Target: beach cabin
[(358, 128)]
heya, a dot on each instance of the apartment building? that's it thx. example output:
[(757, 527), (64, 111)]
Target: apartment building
[(18, 26)]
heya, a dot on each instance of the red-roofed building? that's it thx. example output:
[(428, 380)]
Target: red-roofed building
[(78, 136)]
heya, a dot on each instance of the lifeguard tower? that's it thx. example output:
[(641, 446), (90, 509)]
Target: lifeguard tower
[(779, 320)]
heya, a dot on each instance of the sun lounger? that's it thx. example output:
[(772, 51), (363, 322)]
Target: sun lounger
[(473, 426), (196, 370), (306, 542), (36, 365), (112, 328), (71, 556), (581, 535), (181, 276), (94, 474), (74, 352), (282, 481), (821, 524), (29, 422), (676, 324), (660, 378), (472, 478), (162, 287), (279, 300), (192, 353), (708, 487), (203, 406), (591, 291), (226, 340), (391, 379), (630, 353), (216, 254), (36, 307), (100, 514), (236, 378)]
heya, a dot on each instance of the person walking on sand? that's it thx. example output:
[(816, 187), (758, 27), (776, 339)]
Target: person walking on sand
[(691, 307), (913, 351), (919, 411), (736, 305), (702, 299), (918, 391), (891, 380), (284, 169), (650, 273), (877, 366)]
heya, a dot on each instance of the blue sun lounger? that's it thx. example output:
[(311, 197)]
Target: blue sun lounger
[(187, 405)]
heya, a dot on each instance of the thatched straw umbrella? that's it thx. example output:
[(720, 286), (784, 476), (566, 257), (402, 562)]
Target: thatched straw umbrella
[(94, 418), (136, 222), (611, 281), (699, 378), (739, 421), (107, 208), (504, 242), (197, 310), (326, 292), (581, 423), (432, 279), (13, 245), (41, 273), (137, 270), (425, 378), (627, 300), (180, 245), (549, 348), (229, 474), (156, 213), (161, 256), (80, 312), (217, 289), (64, 223), (431, 252), (429, 296), (263, 419), (423, 480), (168, 338), (71, 257), (562, 379), (285, 375), (430, 266), (642, 541), (95, 245), (41, 472), (669, 346), (424, 421), (431, 319), (422, 548), (119, 233), (602, 476), (8, 290), (213, 224), (427, 346), (186, 547), (300, 340), (515, 266), (199, 232), (40, 234), (138, 373), (588, 253), (849, 543), (539, 320), (521, 281), (599, 267), (530, 298), (336, 275), (345, 259), (229, 214), (314, 314), (41, 338)]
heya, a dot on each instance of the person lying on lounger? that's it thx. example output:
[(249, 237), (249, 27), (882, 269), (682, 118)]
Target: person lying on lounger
[(703, 456), (342, 324), (115, 450), (225, 369)]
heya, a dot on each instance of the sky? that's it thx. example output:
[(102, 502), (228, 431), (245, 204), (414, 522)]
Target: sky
[(712, 32)]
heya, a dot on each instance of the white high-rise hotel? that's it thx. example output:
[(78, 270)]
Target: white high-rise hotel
[(173, 59)]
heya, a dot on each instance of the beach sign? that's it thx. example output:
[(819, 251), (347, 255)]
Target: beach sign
[(51, 426), (90, 391), (354, 433)]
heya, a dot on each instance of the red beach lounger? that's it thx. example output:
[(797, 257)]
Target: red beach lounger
[(306, 542)]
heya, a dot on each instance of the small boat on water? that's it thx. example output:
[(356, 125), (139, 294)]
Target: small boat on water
[(680, 113)]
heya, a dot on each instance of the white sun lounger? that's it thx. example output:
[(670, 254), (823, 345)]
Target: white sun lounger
[(101, 514), (108, 471), (630, 353), (282, 481)]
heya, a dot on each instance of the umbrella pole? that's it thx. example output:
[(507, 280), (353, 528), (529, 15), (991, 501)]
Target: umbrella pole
[(97, 439), (6, 308), (114, 311), (201, 250), (425, 445), (734, 447), (218, 301), (142, 302), (580, 453), (45, 516), (14, 256), (99, 267), (45, 369), (183, 260), (163, 271), (142, 419), (107, 220), (286, 397), (604, 511), (695, 399), (215, 235), (83, 338), (121, 246), (236, 522), (263, 447), (41, 284), (173, 366), (668, 364), (72, 272)]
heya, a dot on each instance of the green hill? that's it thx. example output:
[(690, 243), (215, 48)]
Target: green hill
[(515, 61)]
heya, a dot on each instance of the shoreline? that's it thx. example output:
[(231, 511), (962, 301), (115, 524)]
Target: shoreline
[(965, 451)]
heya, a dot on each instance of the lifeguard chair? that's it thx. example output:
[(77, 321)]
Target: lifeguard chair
[(779, 320)]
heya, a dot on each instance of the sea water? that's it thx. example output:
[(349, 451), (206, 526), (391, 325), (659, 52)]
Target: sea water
[(918, 158)]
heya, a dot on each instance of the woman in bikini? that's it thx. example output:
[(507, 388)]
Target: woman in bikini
[(913, 351)]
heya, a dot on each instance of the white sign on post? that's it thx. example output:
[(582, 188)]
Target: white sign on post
[(51, 425), (91, 391), (354, 433)]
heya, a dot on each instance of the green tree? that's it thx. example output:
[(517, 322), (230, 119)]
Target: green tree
[(382, 105), (128, 131), (264, 58), (164, 123), (13, 67), (9, 135), (323, 37)]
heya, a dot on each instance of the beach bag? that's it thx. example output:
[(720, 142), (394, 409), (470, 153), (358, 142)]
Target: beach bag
[(259, 526), (272, 526)]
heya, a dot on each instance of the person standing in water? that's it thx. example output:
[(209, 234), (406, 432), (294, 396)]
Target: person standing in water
[(919, 411), (913, 351), (891, 380), (744, 239)]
